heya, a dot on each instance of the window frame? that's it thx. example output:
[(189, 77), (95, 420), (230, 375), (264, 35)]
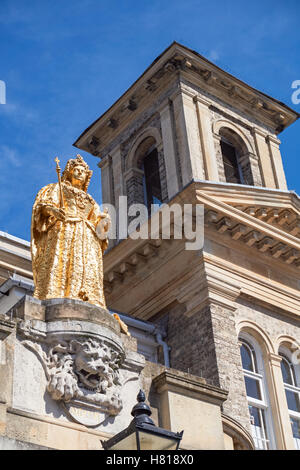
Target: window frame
[(145, 189), (286, 354), (263, 405), (239, 168)]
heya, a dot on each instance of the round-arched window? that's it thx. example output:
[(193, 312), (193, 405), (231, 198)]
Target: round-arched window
[(144, 182), (236, 158), (256, 391), (291, 381)]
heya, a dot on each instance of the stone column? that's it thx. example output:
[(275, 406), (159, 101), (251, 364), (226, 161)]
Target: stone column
[(187, 136), (106, 180), (264, 158), (206, 138), (169, 150), (275, 155), (281, 419)]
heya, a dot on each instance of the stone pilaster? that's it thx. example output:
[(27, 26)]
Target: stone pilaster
[(281, 419), (169, 146), (264, 158), (206, 137), (228, 363), (187, 134), (275, 155), (106, 180), (117, 170)]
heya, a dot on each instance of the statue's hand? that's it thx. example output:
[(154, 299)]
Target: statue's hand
[(57, 212), (103, 225)]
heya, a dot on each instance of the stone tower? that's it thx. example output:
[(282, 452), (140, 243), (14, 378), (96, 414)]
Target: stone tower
[(187, 132)]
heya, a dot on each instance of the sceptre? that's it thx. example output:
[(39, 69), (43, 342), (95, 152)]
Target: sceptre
[(59, 182)]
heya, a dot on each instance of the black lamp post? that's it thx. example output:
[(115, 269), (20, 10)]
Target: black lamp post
[(142, 434)]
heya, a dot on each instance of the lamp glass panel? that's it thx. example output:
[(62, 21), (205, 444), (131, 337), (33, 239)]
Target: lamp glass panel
[(150, 441), (128, 443)]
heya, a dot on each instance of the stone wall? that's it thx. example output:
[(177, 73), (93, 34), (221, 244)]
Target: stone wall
[(229, 367), (272, 323), (206, 344)]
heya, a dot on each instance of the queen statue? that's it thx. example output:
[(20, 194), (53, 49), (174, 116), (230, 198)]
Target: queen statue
[(68, 238)]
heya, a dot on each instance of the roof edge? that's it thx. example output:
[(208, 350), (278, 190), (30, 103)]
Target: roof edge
[(184, 48)]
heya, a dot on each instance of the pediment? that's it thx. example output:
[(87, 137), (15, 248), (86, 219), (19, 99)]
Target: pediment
[(268, 222)]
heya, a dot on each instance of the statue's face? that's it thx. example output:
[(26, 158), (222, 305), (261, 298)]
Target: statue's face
[(78, 175)]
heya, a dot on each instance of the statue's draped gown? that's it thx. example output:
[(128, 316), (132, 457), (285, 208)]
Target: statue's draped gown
[(67, 256)]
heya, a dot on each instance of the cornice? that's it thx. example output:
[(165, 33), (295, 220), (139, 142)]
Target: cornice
[(267, 292), (106, 161), (6, 327), (240, 225), (237, 226), (273, 140), (180, 382), (178, 59)]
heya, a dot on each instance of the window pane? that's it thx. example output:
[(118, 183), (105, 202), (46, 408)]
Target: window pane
[(258, 427), (252, 388), (296, 432), (246, 358), (286, 372), (152, 179), (295, 427), (292, 400), (231, 168)]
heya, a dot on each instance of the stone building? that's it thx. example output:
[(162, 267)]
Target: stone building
[(218, 326)]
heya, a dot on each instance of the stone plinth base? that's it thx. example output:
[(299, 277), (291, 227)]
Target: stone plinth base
[(69, 368)]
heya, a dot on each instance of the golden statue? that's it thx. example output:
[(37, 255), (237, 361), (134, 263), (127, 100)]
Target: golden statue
[(67, 251)]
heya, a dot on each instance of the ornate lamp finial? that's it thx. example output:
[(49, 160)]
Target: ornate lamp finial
[(141, 411)]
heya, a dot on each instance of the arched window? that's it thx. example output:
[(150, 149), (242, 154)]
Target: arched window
[(146, 174), (256, 390), (236, 158), (232, 170), (151, 179), (290, 376)]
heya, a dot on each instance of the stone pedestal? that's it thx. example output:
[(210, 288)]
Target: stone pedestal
[(69, 367)]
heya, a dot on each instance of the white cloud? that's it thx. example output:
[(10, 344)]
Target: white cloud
[(19, 112), (10, 155), (213, 55)]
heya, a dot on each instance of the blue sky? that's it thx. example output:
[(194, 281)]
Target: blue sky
[(64, 63)]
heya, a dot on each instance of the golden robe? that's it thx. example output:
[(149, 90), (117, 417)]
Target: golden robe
[(67, 257)]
